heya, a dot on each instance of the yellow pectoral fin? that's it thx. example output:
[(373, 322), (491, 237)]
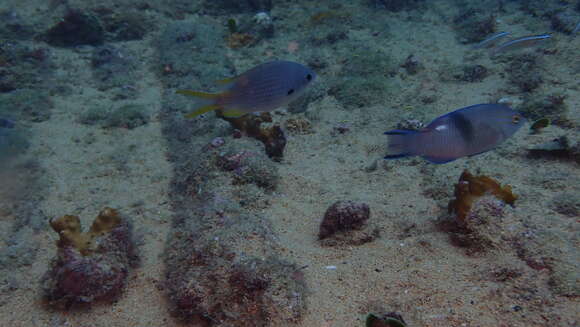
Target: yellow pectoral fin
[(226, 80), (203, 110), (233, 113), (197, 94)]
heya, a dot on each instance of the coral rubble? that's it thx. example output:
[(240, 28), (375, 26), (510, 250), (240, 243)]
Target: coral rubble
[(89, 266), (248, 167), (240, 40), (551, 106)]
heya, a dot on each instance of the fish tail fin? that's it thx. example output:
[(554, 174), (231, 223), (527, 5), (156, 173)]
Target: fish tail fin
[(216, 102), (210, 100), (399, 145)]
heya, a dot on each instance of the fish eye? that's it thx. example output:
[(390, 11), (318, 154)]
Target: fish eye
[(516, 119), (290, 91), (309, 77)]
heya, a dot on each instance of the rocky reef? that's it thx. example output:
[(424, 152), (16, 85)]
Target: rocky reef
[(222, 263), (223, 266)]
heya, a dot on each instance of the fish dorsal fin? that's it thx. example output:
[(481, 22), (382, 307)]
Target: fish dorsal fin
[(241, 79), (204, 95)]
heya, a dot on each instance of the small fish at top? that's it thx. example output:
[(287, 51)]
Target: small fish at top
[(576, 29), (6, 123), (263, 88), (519, 43), (464, 132), (491, 41)]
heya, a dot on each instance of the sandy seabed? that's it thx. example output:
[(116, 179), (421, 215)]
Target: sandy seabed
[(412, 268)]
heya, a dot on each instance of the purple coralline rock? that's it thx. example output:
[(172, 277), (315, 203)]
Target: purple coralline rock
[(343, 216)]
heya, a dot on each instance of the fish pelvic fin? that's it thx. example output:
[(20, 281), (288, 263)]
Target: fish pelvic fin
[(396, 156), (203, 110), (438, 161), (399, 144), (203, 95)]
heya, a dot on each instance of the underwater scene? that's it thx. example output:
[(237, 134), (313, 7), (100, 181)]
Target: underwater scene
[(299, 163)]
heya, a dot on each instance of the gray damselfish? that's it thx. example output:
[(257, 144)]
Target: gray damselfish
[(464, 132), (263, 88)]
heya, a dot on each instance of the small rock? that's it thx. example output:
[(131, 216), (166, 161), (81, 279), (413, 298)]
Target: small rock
[(343, 216), (412, 65), (341, 128), (217, 142), (372, 166), (410, 124), (76, 28)]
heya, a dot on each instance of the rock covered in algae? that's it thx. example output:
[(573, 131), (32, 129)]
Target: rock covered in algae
[(89, 266), (215, 288), (223, 266), (223, 269)]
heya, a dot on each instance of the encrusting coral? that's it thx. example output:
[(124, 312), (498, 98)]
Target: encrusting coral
[(273, 137), (89, 266), (69, 229), (470, 188)]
